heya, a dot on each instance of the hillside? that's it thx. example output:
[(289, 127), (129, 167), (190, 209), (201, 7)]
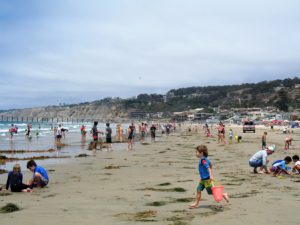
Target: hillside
[(284, 94)]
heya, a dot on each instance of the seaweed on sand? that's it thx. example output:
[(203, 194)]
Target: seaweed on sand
[(9, 208), (35, 158), (145, 216), (82, 155), (165, 184), (178, 189), (110, 167), (156, 203)]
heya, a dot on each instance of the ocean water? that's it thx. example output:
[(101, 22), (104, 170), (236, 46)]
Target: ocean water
[(75, 144)]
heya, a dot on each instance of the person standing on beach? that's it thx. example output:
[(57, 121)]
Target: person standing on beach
[(143, 132), (95, 134), (152, 131), (83, 131), (221, 133), (260, 159), (264, 140), (28, 130), (120, 133), (230, 136), (58, 134), (108, 136), (12, 131), (131, 131)]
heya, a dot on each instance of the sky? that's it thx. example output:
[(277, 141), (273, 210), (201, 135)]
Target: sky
[(71, 51)]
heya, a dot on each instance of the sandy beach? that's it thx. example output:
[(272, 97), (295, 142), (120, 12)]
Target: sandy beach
[(155, 182)]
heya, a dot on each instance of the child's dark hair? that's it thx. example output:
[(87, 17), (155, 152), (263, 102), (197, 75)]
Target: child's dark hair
[(95, 123), (296, 157), (288, 159), (203, 149), (31, 163)]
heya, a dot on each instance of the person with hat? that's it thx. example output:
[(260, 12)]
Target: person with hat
[(260, 158)]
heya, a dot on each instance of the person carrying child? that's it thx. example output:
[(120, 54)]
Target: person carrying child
[(15, 180), (40, 177), (296, 160), (205, 171), (279, 166)]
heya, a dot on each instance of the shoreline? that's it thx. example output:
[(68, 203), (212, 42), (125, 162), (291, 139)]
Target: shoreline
[(132, 187)]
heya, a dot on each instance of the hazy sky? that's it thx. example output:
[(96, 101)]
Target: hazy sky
[(54, 51)]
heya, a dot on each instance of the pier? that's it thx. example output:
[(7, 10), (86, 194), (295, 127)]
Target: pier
[(55, 120)]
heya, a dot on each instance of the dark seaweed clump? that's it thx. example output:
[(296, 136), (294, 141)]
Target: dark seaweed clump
[(9, 208)]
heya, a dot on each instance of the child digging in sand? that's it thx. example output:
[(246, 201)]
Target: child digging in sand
[(279, 166), (40, 177), (296, 167), (205, 171)]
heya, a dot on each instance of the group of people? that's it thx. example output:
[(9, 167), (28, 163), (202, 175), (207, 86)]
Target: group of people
[(95, 133), (131, 132), (15, 183), (260, 160)]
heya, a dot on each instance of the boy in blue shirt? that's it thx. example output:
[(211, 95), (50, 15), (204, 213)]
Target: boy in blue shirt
[(279, 166), (205, 171), (40, 177)]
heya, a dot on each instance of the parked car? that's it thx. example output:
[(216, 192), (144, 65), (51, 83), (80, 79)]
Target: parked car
[(248, 126)]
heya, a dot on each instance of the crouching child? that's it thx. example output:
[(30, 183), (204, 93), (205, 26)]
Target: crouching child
[(40, 177), (279, 166)]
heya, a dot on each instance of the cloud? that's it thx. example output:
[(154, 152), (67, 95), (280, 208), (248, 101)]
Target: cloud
[(67, 51)]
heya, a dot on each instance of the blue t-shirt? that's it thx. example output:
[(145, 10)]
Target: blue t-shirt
[(279, 163), (42, 171), (203, 167)]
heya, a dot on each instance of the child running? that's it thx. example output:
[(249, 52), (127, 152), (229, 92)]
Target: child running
[(205, 171)]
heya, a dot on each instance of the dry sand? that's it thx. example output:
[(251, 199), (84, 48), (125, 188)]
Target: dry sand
[(122, 187)]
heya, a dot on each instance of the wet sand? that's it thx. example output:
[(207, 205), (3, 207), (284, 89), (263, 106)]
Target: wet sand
[(154, 184)]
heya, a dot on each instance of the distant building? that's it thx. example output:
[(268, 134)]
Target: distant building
[(139, 114)]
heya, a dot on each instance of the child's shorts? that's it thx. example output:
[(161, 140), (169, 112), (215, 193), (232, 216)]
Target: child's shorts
[(205, 184)]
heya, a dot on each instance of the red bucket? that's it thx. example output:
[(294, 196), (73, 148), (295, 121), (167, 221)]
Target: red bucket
[(217, 193)]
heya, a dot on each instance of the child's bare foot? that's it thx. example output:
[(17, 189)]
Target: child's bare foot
[(193, 206), (226, 197)]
